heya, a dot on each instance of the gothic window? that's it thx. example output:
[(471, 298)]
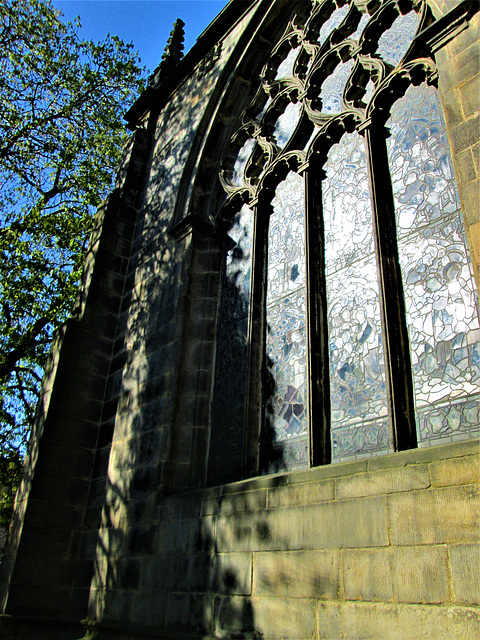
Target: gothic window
[(348, 318)]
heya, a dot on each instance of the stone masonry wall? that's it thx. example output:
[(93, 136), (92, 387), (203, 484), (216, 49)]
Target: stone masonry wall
[(142, 398), (459, 85), (380, 548)]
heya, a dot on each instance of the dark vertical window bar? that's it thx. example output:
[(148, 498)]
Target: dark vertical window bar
[(317, 327), (254, 403), (397, 352)]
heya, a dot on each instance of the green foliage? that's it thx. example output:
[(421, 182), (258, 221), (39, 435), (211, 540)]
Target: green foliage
[(61, 134)]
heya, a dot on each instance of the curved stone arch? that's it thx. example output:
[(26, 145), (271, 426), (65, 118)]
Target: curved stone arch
[(289, 42), (409, 61), (394, 86), (240, 86), (330, 134), (276, 173)]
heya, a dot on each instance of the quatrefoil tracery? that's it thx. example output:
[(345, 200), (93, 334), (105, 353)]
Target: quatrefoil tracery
[(327, 75)]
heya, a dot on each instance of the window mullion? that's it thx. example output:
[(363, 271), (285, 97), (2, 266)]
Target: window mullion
[(397, 351), (317, 326), (256, 340)]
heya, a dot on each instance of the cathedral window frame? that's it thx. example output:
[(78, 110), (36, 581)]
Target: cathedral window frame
[(268, 166)]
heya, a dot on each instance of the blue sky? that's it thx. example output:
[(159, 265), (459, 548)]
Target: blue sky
[(146, 23)]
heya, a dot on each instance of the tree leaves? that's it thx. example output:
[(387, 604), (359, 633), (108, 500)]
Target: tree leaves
[(61, 135)]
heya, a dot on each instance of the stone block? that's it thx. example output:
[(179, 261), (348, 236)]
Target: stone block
[(149, 609), (425, 454), (326, 525), (455, 471), (64, 516), (476, 157), (466, 38), (311, 574), (245, 617), (398, 574), (465, 135), (470, 196), (192, 612), (327, 471), (380, 621), (304, 493), (434, 516), (283, 618), (231, 573), (118, 605), (470, 95), (465, 65), (451, 107), (44, 602), (247, 501), (383, 481), (465, 563), (466, 166)]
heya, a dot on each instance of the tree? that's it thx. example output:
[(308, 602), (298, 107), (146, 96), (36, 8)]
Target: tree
[(61, 134)]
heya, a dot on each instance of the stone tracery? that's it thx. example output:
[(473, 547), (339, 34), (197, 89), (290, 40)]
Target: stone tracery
[(337, 70)]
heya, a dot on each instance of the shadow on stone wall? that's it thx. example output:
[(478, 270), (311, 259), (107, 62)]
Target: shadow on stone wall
[(157, 564)]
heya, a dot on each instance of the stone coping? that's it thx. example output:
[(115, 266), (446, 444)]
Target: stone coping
[(335, 470)]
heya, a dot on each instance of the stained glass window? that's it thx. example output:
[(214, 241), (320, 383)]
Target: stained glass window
[(226, 439), (393, 43), (286, 335), (286, 124), (357, 370), (335, 19), (440, 292), (341, 73), (333, 87)]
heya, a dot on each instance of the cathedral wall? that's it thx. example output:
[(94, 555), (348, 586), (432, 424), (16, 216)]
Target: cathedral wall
[(384, 547)]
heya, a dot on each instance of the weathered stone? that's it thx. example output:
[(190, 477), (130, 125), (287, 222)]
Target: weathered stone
[(426, 454), (231, 573), (312, 574), (470, 198), (466, 166), (347, 523), (382, 482), (434, 516), (456, 471), (303, 493), (465, 134), (470, 96), (465, 562), (283, 618), (382, 621), (451, 106), (398, 574)]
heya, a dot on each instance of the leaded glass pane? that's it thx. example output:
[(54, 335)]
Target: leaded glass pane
[(420, 164), (286, 124), (241, 161), (332, 23), (347, 208), (359, 423), (361, 26), (332, 88), (285, 69), (439, 289), (393, 44), (369, 91), (226, 440), (286, 418)]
